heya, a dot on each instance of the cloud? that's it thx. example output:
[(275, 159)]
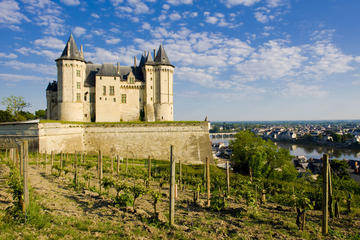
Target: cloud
[(261, 17), (10, 16), (49, 42), (230, 3), (211, 19), (174, 16), (47, 14), (70, 2), (41, 68), (179, 2), (301, 90), (52, 55), (9, 56), (112, 40), (94, 15), (166, 6), (146, 26), (78, 31), (7, 77)]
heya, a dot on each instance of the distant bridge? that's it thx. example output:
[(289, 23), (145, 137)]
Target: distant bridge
[(227, 136)]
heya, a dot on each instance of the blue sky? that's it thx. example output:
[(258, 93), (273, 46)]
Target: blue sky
[(235, 59)]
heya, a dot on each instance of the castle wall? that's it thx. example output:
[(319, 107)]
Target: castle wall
[(191, 141), (13, 133)]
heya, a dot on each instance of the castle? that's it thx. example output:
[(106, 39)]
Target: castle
[(88, 92)]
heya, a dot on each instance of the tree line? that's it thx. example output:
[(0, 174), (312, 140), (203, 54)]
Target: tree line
[(15, 110)]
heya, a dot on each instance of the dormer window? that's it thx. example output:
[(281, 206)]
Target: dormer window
[(132, 80), (78, 73)]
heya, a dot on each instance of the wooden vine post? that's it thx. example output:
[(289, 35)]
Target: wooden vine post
[(180, 176), (172, 188), (52, 161), (76, 170), (330, 193), (228, 177), (100, 169), (45, 162), (117, 165), (21, 164), (208, 180), (325, 197), (112, 165), (149, 168), (25, 176)]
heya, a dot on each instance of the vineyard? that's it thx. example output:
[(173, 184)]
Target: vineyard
[(91, 196)]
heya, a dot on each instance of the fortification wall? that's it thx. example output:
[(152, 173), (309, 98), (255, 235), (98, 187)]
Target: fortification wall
[(13, 133), (191, 141)]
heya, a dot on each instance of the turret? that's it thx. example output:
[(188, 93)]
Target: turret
[(71, 75), (159, 87)]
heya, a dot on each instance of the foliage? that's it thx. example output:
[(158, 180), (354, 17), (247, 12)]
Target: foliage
[(262, 158), (5, 116), (137, 191), (15, 104), (40, 114), (340, 169), (218, 202), (16, 188)]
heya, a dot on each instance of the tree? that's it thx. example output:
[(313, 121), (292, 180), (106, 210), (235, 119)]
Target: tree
[(260, 158), (15, 104), (5, 116), (41, 114)]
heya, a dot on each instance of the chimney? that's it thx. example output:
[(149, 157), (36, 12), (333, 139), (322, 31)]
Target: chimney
[(118, 68), (134, 61), (82, 50), (68, 49), (154, 54)]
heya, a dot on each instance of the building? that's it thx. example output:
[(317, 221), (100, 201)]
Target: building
[(88, 92)]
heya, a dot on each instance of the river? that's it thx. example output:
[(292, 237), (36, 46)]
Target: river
[(311, 151)]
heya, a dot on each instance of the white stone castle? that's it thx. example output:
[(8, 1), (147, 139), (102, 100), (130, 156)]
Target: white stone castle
[(88, 92)]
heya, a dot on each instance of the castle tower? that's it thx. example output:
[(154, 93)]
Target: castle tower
[(149, 75), (163, 87), (71, 75)]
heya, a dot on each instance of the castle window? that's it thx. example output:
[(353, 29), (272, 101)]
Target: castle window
[(114, 78), (114, 99), (150, 87), (132, 80), (78, 97), (104, 90), (78, 73), (78, 86), (100, 78), (112, 91), (123, 98)]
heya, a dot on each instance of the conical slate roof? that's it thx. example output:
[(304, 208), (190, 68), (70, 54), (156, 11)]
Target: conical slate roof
[(161, 56), (149, 59), (71, 51)]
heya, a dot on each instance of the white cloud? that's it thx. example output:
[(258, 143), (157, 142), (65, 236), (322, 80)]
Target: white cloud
[(42, 68), (9, 56), (230, 3), (211, 19), (275, 3), (112, 40), (301, 90), (17, 77), (178, 2), (49, 42), (70, 2), (261, 17), (10, 16), (52, 55), (174, 16), (94, 15), (78, 31), (166, 6), (47, 15), (146, 26)]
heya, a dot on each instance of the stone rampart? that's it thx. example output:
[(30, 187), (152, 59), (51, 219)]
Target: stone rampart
[(191, 140)]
